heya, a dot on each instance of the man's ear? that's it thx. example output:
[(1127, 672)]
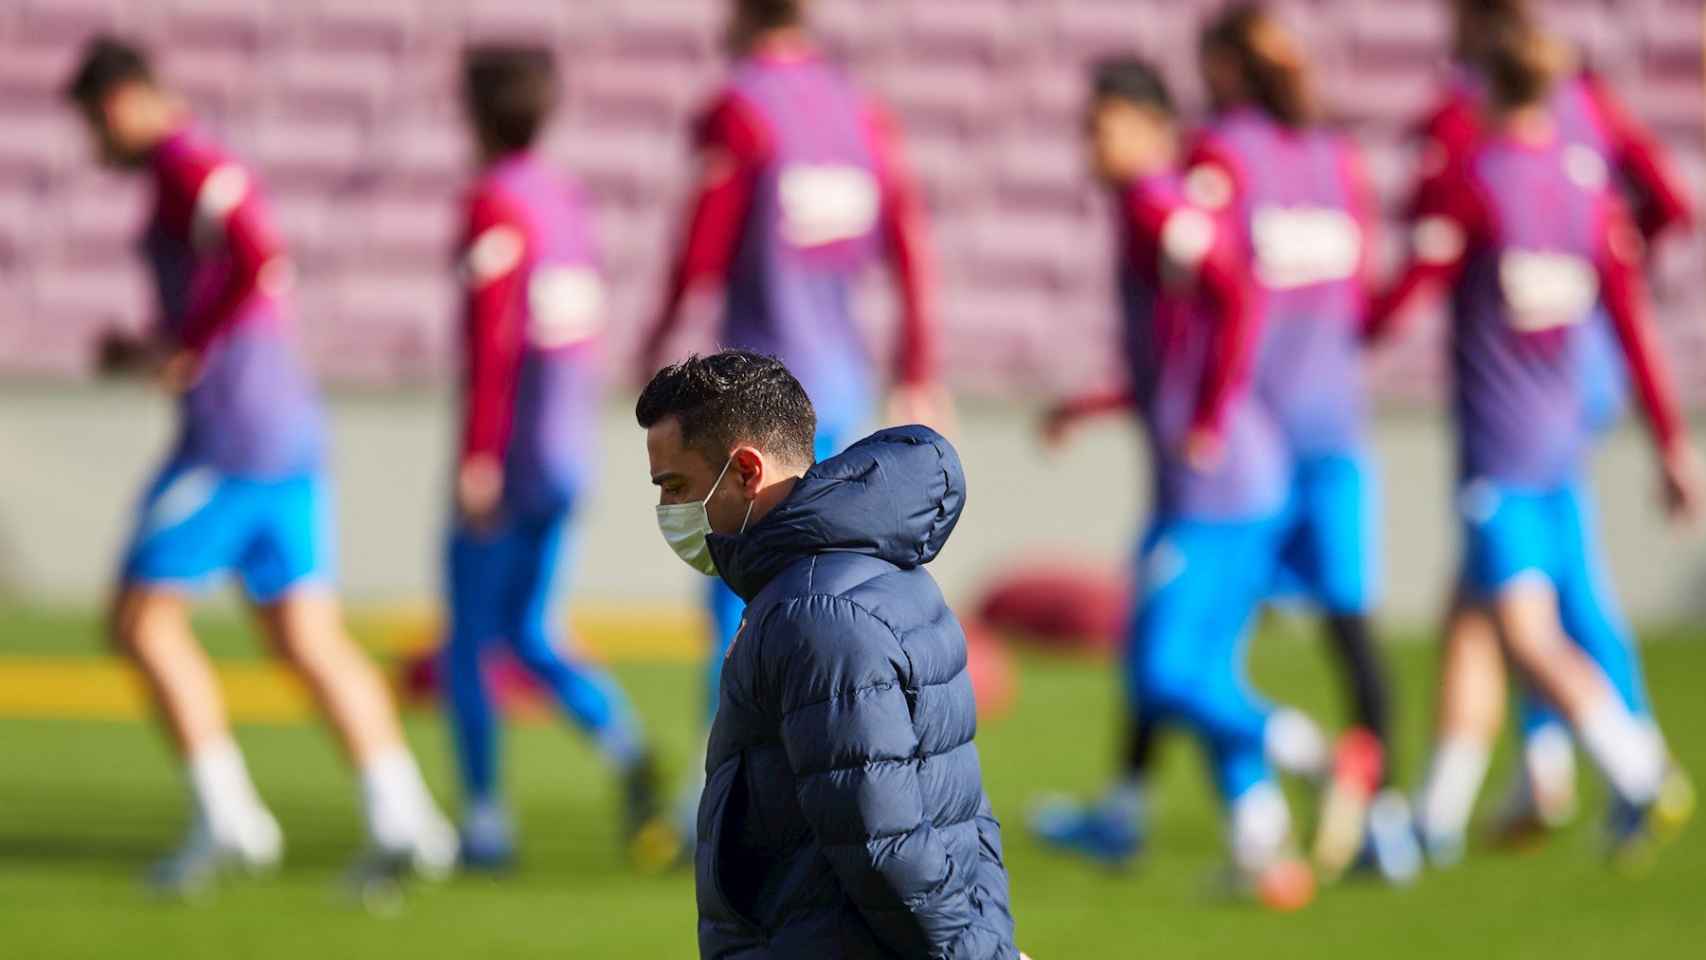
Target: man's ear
[(749, 464)]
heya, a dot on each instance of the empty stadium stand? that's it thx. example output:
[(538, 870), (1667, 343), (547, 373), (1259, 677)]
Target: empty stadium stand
[(348, 108)]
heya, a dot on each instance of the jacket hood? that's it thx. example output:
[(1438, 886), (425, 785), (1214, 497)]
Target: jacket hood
[(895, 495)]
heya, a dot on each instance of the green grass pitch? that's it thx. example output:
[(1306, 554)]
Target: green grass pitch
[(85, 804)]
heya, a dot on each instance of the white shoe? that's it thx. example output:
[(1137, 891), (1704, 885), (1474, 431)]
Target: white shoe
[(429, 852), (255, 845)]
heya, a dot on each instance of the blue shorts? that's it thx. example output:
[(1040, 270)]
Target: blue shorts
[(195, 522), (1330, 547), (1508, 533)]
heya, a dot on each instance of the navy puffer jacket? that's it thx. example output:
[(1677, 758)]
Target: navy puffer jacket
[(844, 815)]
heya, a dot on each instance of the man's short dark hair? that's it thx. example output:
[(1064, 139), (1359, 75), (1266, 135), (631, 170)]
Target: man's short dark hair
[(1133, 81), (771, 14), (108, 62), (729, 398), (511, 90)]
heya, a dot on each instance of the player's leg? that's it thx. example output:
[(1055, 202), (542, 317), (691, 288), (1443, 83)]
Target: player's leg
[(475, 567), (1243, 730), (587, 694), (187, 530), (1590, 614), (286, 570), (1469, 712), (1111, 828)]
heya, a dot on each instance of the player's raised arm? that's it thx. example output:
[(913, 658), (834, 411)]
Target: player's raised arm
[(1624, 294), (731, 145), (494, 251)]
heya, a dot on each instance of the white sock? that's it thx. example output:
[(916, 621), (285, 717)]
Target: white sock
[(395, 803), (224, 796), (1294, 744), (1548, 778), (1260, 826), (1448, 794), (1627, 750)]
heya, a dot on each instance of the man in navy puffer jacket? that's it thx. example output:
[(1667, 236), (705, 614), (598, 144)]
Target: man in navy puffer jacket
[(844, 814)]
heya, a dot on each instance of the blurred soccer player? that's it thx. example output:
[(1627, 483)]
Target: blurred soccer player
[(800, 189), (1530, 237), (1221, 474), (1297, 195), (531, 385), (242, 490), (1600, 135)]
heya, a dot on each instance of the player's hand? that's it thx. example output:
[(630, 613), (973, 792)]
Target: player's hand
[(1056, 426), (1204, 450), (1682, 483), (479, 491), (119, 352), (180, 371), (925, 403)]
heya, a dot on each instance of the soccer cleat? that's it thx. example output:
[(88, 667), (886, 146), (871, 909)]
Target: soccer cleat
[(1357, 764), (487, 842), (1631, 843), (1676, 802), (1392, 848), (255, 846), (641, 803), (1443, 849), (429, 853), (1095, 832)]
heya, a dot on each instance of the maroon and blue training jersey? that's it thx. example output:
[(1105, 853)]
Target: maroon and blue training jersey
[(1190, 335), (1530, 242), (802, 192), (222, 276), (1301, 204), (532, 333)]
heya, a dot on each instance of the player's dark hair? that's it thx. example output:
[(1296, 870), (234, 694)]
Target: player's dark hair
[(1274, 79), (1521, 66), (1132, 80), (732, 397), (511, 90), (1477, 20), (770, 14), (107, 63)]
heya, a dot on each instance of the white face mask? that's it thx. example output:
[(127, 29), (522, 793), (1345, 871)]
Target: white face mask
[(686, 525)]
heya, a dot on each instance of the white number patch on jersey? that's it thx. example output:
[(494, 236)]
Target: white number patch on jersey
[(565, 306), (1545, 289), (1304, 246), (826, 204)]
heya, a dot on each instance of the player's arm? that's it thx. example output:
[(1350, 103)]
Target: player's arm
[(1623, 292), (1660, 200), (1225, 284), (1448, 225), (906, 243), (493, 255), (228, 220), (731, 145), (849, 738), (1365, 211)]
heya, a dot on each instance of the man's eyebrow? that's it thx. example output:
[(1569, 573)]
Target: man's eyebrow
[(659, 479)]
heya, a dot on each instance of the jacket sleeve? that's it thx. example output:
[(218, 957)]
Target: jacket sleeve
[(838, 674)]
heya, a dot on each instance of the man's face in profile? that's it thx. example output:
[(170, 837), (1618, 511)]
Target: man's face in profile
[(684, 475)]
